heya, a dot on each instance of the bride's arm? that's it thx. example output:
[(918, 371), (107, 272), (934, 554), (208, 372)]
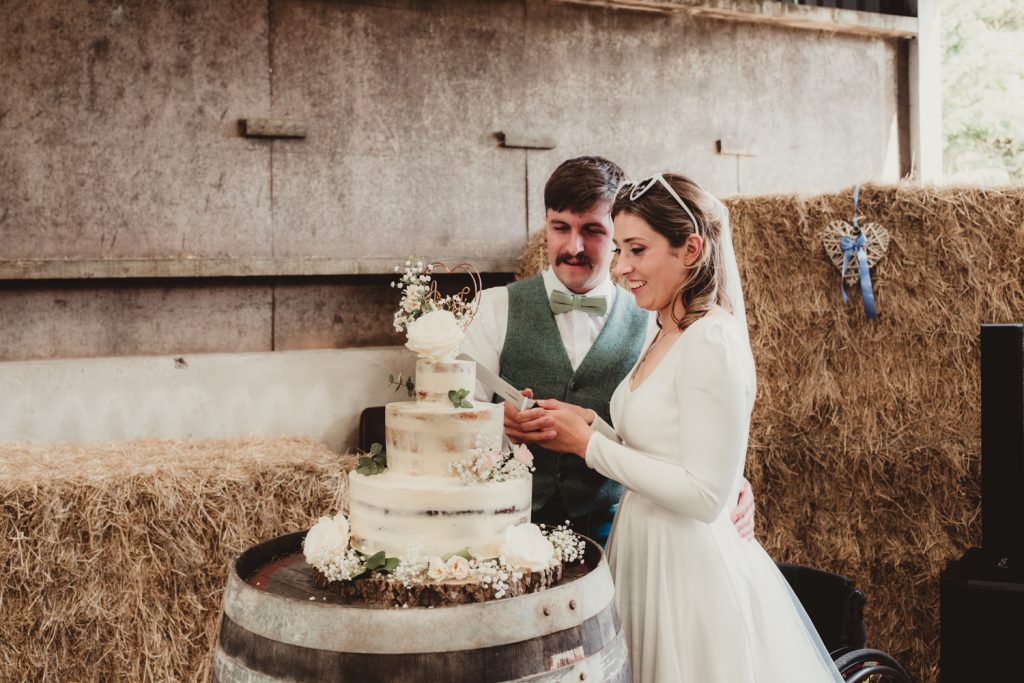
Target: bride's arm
[(604, 429), (714, 419)]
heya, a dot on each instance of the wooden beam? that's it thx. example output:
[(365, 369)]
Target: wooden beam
[(776, 13), (90, 269)]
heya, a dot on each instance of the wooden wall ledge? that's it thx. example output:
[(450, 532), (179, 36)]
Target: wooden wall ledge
[(778, 14), (78, 269)]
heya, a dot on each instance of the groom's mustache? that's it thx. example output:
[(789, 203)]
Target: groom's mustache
[(573, 260)]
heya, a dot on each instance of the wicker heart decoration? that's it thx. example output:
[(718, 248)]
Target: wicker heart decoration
[(875, 236)]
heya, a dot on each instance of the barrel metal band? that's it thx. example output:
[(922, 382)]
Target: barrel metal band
[(349, 628), (592, 644)]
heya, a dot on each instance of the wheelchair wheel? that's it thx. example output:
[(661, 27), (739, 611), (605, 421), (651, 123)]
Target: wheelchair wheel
[(870, 666)]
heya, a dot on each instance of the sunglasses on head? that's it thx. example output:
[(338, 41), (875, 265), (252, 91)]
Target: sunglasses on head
[(640, 187)]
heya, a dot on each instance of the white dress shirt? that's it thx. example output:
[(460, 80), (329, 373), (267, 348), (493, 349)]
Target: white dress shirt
[(485, 336)]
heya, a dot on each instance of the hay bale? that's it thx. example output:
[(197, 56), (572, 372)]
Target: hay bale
[(114, 556), (865, 442)]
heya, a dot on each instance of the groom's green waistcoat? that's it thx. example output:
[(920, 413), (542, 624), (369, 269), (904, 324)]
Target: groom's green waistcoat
[(534, 356)]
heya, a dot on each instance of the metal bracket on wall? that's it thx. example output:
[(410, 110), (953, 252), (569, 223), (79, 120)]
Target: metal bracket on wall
[(734, 147), (518, 140), (272, 128)]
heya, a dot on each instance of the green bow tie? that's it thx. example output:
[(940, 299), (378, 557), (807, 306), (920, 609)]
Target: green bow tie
[(561, 302)]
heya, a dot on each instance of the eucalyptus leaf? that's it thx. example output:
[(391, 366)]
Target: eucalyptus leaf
[(375, 561), (374, 463), (390, 564), (461, 553), (458, 398)]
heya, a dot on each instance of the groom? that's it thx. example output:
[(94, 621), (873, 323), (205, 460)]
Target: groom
[(569, 333)]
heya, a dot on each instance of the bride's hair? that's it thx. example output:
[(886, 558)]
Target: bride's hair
[(704, 285)]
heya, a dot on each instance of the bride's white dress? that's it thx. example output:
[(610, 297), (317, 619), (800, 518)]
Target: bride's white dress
[(698, 603)]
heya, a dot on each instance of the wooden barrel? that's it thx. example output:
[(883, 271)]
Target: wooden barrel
[(278, 625)]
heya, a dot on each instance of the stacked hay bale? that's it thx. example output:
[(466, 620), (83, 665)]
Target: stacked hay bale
[(865, 442), (113, 557)]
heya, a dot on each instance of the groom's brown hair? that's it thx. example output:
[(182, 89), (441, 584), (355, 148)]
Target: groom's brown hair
[(580, 183)]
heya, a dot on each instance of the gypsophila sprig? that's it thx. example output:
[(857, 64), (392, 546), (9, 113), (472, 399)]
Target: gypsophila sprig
[(420, 295), (337, 567), (569, 547)]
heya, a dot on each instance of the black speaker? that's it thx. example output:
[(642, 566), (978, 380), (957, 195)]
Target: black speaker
[(1002, 448), (982, 626)]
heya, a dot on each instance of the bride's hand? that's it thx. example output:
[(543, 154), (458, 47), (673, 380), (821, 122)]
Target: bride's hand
[(571, 426)]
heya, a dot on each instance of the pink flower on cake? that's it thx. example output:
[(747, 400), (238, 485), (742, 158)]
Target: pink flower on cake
[(458, 567), (491, 459), (437, 570), (525, 546), (435, 335), (523, 455)]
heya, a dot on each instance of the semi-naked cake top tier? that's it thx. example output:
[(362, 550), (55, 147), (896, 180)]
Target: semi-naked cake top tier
[(435, 378), (424, 436)]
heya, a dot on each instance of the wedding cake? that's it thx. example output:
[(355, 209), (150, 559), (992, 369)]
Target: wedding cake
[(440, 514), (421, 500)]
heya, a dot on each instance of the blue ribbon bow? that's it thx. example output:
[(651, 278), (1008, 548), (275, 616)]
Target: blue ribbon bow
[(858, 245)]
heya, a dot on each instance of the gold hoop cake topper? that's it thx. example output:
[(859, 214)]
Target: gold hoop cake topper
[(421, 295), (467, 306), (854, 249)]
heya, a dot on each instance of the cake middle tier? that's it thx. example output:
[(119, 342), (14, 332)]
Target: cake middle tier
[(393, 512), (424, 439)]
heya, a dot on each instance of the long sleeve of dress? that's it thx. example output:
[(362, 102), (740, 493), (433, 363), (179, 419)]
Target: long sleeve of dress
[(712, 382), (605, 429)]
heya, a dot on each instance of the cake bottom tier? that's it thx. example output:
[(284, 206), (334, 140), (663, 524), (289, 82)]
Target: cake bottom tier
[(439, 515)]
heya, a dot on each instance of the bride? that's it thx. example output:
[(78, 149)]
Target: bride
[(698, 603)]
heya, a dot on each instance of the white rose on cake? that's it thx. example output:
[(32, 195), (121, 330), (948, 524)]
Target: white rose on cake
[(437, 570), (327, 539), (435, 335), (458, 567), (526, 547)]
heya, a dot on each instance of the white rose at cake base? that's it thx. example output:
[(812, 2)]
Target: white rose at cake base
[(328, 537), (527, 548), (435, 335)]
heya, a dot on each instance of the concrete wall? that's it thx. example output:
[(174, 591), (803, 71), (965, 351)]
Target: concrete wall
[(306, 393), (120, 150)]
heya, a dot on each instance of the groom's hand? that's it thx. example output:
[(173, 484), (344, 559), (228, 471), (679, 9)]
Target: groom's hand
[(527, 426)]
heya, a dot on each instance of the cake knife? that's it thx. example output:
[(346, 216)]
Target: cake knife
[(500, 386)]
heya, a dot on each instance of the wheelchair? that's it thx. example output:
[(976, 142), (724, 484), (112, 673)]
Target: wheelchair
[(836, 609)]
